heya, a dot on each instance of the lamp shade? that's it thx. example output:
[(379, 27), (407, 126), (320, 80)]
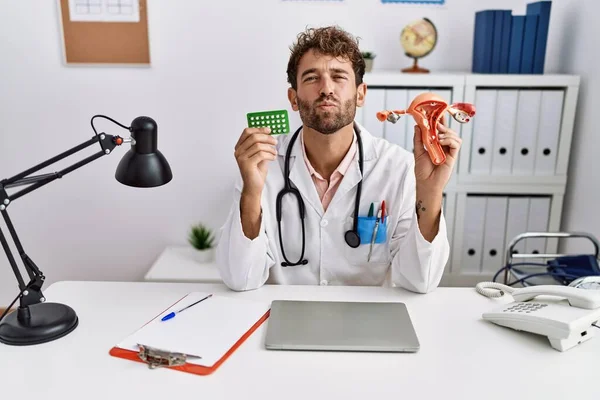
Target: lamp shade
[(144, 165)]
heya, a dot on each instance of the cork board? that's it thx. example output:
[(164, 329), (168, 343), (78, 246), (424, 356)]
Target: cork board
[(93, 42)]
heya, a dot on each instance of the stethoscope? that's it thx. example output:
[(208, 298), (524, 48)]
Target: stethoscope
[(351, 236)]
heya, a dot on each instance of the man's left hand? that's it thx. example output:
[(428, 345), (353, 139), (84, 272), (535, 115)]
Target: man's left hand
[(433, 178)]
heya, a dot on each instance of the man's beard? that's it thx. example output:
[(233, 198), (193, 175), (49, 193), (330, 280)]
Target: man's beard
[(327, 122)]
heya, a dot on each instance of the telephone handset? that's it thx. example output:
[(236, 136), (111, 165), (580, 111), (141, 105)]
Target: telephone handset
[(568, 316)]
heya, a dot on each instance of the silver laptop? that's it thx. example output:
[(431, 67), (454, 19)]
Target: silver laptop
[(340, 326)]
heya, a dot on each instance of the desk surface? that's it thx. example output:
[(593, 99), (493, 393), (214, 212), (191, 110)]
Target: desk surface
[(461, 356)]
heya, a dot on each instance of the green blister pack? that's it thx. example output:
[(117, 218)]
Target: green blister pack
[(277, 120)]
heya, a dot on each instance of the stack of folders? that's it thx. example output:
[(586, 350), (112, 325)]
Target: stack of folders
[(511, 44), (197, 340)]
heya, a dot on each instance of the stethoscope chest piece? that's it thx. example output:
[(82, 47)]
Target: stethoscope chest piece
[(352, 239)]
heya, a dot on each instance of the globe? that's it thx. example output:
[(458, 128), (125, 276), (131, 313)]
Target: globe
[(418, 39)]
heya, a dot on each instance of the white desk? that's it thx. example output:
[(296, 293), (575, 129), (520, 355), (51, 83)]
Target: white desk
[(462, 356)]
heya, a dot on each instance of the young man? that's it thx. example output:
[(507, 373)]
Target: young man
[(265, 239)]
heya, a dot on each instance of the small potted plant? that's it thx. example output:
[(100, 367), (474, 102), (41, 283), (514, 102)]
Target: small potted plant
[(202, 239), (369, 57)]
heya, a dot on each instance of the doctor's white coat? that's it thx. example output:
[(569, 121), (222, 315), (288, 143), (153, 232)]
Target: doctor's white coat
[(406, 257)]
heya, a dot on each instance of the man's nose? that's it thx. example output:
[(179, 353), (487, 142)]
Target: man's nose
[(327, 87)]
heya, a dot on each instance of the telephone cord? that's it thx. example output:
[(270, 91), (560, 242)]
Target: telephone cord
[(493, 289)]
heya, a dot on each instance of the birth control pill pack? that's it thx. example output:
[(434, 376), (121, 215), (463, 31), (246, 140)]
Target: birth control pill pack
[(277, 120)]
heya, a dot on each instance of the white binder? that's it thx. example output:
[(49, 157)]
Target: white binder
[(549, 132), (539, 212), (446, 95), (516, 222), (495, 231), (528, 115), (504, 132), (483, 132), (397, 99), (374, 102), (359, 115), (473, 234)]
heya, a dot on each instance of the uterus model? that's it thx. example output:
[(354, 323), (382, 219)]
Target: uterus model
[(427, 109)]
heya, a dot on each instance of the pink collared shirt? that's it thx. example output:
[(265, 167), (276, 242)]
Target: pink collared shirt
[(326, 190)]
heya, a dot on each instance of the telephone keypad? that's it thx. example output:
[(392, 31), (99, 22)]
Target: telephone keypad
[(525, 307)]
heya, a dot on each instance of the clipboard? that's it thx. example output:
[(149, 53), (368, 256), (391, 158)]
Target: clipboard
[(156, 353)]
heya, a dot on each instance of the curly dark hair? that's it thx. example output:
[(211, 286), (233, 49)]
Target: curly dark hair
[(331, 41)]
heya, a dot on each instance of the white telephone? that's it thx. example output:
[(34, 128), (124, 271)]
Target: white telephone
[(568, 316)]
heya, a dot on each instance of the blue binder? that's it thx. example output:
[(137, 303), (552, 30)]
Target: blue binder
[(542, 10), (516, 44), (505, 43), (483, 41), (499, 16), (529, 39)]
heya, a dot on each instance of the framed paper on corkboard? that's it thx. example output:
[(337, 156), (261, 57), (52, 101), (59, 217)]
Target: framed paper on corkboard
[(105, 31)]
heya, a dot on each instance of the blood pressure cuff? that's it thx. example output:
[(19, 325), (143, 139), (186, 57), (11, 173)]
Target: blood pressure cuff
[(568, 268)]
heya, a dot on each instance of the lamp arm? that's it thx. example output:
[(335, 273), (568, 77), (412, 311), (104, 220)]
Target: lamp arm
[(107, 142), (30, 293)]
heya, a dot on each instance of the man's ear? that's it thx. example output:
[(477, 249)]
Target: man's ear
[(361, 93), (293, 98)]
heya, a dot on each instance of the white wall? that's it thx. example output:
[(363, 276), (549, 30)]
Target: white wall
[(212, 62), (580, 56)]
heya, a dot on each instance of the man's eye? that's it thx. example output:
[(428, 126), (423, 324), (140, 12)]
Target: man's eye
[(311, 78), (339, 77)]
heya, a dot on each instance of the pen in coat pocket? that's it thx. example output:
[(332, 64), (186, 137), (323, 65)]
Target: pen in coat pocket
[(375, 229)]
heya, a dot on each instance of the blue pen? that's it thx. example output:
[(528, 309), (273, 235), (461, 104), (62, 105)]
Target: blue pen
[(172, 314)]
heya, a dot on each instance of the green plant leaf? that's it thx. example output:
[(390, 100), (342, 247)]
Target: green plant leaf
[(368, 55), (201, 237)]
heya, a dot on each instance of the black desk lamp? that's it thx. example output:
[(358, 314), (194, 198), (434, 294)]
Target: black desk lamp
[(36, 321)]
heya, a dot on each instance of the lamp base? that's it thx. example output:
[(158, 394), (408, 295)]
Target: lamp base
[(37, 323)]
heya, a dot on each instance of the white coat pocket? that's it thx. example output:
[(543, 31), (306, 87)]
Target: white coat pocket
[(380, 250)]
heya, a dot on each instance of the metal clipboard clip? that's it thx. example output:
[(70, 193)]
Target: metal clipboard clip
[(156, 358)]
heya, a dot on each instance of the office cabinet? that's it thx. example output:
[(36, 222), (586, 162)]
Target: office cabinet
[(489, 222), (511, 173)]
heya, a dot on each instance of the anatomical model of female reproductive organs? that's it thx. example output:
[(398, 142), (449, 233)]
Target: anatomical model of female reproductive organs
[(427, 109)]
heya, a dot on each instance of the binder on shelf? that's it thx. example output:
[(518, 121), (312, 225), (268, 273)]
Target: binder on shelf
[(483, 132), (548, 132), (497, 44), (483, 41), (359, 115), (399, 133), (199, 339), (505, 41), (504, 131), (529, 39), (539, 211), (495, 230), (374, 102), (542, 10), (516, 222), (528, 115), (516, 44), (473, 234)]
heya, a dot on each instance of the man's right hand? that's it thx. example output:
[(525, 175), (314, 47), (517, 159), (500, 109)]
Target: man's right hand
[(253, 151)]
